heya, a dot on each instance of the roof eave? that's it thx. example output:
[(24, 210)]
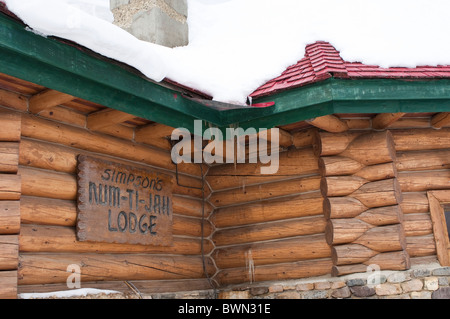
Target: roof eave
[(63, 67)]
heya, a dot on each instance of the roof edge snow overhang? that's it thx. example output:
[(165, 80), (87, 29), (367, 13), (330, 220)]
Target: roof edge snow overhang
[(65, 67)]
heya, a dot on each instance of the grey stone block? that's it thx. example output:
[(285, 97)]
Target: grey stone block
[(420, 273), (356, 282), (315, 294), (444, 271), (157, 27), (343, 292), (362, 291), (441, 293)]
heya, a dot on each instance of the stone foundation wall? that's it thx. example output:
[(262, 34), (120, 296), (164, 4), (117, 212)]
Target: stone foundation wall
[(417, 283)]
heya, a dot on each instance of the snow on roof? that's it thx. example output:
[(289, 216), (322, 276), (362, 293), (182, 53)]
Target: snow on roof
[(236, 46)]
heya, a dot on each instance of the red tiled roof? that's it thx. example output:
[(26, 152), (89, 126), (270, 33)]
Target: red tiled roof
[(323, 61)]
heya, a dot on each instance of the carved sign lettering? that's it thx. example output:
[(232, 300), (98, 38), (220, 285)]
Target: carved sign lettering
[(123, 204)]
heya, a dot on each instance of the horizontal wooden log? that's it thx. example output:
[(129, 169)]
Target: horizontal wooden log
[(423, 181), (64, 213), (10, 187), (417, 224), (191, 226), (285, 138), (348, 207), (378, 172), (221, 183), (65, 114), (440, 120), (419, 246), (304, 138), (408, 122), (48, 156), (191, 206), (47, 211), (342, 207), (285, 271), (48, 184), (10, 127), (421, 139), (329, 123), (423, 160), (60, 158), (338, 166), (383, 120), (13, 100), (351, 254), (380, 193), (270, 210), (63, 159), (288, 165), (106, 117), (45, 183), (344, 231), (154, 134), (367, 148), (371, 148), (265, 191), (382, 216), (384, 238), (341, 185), (8, 284), (51, 268), (49, 131), (9, 217), (35, 238), (280, 251), (268, 231), (352, 230), (370, 194), (9, 157), (9, 252), (327, 144), (386, 261), (415, 202)]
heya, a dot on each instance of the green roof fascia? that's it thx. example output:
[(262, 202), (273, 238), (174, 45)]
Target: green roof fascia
[(334, 96), (51, 63)]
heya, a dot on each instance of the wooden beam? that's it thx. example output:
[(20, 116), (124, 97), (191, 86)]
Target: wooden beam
[(153, 130), (440, 120), (439, 229), (383, 120), (154, 134), (285, 138), (329, 123), (47, 99), (107, 117)]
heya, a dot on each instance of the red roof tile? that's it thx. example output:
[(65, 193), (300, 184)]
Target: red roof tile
[(323, 61)]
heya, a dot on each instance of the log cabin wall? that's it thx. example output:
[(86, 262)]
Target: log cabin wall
[(269, 227), (362, 199), (37, 260), (10, 192), (362, 192)]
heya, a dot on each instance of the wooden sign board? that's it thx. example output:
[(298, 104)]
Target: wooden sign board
[(123, 204)]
